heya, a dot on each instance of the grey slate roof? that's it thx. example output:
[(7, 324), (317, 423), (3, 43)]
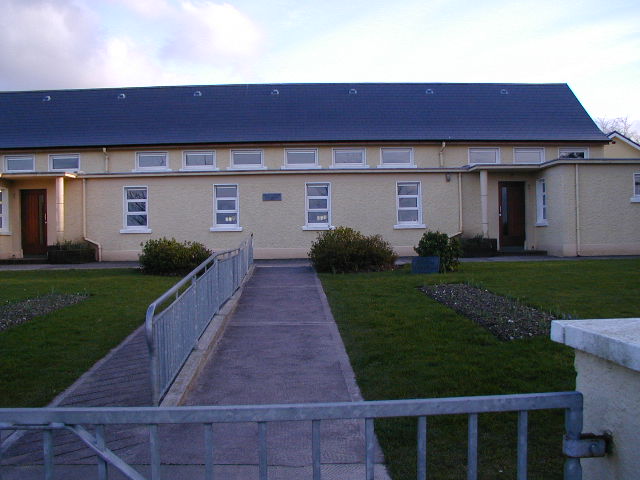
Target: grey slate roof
[(293, 113)]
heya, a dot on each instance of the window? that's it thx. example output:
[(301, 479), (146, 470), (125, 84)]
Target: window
[(528, 155), (151, 161), (4, 211), (541, 202), (348, 158), (573, 153), (408, 205), (19, 163), (199, 160), (396, 157), (301, 158), (484, 155), (225, 208), (317, 206), (246, 159), (636, 188), (66, 163), (136, 210)]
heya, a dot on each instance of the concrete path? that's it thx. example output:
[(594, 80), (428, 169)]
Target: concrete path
[(281, 346)]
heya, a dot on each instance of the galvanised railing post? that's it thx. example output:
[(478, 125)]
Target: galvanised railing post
[(153, 354), (573, 427)]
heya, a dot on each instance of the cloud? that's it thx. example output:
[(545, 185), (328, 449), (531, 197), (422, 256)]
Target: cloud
[(209, 32), (45, 42)]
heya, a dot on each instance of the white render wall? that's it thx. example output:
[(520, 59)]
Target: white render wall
[(607, 362)]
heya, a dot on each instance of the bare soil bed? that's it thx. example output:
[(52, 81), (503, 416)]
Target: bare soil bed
[(505, 318), (12, 314)]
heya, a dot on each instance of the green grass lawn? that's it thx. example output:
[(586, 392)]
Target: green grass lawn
[(39, 359), (403, 344)]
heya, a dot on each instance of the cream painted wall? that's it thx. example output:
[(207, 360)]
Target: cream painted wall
[(559, 237), (620, 149), (183, 208), (11, 245), (609, 221)]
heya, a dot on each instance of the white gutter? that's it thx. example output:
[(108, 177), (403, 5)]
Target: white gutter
[(577, 190), (460, 202), (84, 221)]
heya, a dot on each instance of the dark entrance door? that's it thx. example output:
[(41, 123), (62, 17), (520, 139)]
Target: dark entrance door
[(511, 213), (33, 207)]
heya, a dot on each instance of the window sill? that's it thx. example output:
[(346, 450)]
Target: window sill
[(318, 227), (542, 224), (634, 200), (5, 232), (301, 167), (249, 167), (409, 226), (151, 170), (195, 169), (400, 165), (350, 167), (225, 229), (135, 230)]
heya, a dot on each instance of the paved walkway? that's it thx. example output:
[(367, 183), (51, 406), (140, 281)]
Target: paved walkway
[(280, 346)]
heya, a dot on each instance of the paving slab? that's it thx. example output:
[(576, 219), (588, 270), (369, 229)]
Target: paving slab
[(281, 345)]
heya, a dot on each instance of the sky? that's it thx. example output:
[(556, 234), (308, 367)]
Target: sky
[(592, 45)]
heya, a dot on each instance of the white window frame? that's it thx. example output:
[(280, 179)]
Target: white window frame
[(538, 150), (186, 153), (7, 158), (154, 168), (125, 210), (247, 167), (473, 150), (542, 204), (419, 222), (4, 211), (410, 164), (226, 227), (307, 197), (362, 164), (562, 150), (54, 156), (299, 166), (635, 198)]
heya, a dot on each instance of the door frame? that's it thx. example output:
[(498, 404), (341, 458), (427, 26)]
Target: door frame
[(520, 208), (38, 216)]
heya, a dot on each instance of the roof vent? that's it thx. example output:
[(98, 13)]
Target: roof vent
[(275, 91), (504, 91), (429, 91), (353, 91), (121, 96), (197, 93), (46, 98)]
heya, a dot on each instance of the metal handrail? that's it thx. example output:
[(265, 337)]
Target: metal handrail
[(189, 299)]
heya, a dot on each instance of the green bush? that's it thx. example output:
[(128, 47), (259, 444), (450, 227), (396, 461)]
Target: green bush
[(170, 257), (439, 244), (345, 250)]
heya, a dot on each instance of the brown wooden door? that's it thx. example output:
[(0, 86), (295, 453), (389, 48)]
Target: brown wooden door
[(511, 213), (33, 206)]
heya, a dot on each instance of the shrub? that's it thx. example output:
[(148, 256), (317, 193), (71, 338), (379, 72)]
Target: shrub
[(345, 250), (170, 257), (439, 244)]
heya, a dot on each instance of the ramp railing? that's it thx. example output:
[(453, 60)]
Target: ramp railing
[(172, 332)]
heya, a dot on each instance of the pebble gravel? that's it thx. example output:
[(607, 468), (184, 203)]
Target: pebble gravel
[(505, 318), (12, 314)]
